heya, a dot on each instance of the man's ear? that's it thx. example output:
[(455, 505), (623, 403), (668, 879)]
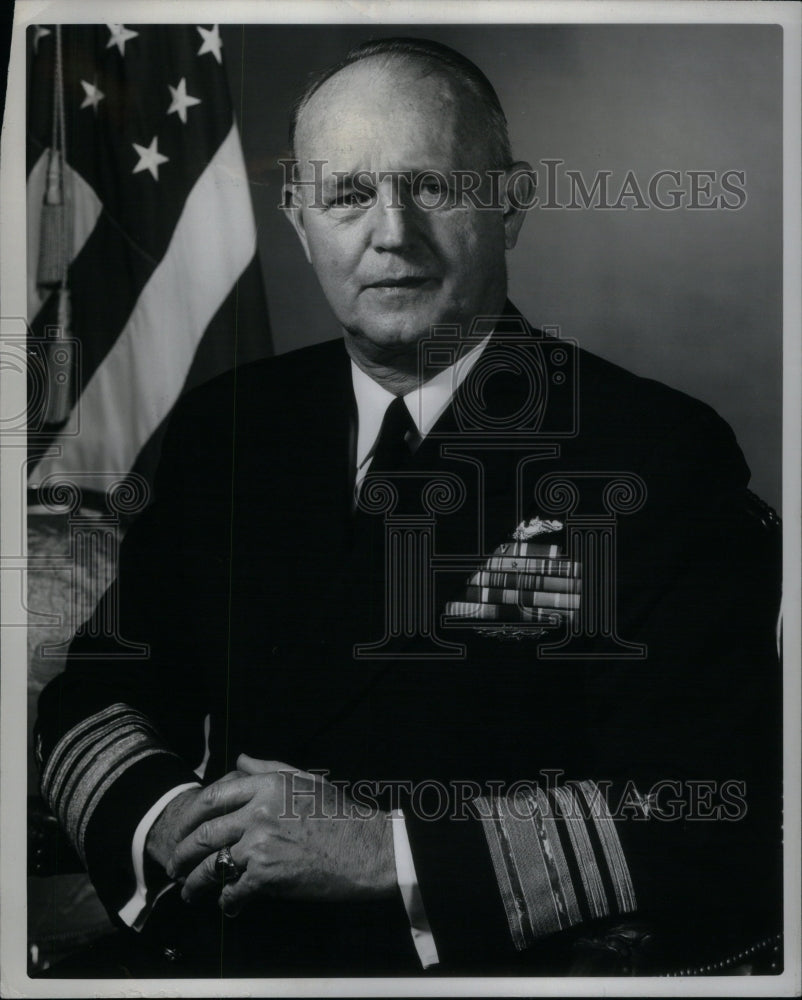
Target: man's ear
[(517, 197), (293, 210)]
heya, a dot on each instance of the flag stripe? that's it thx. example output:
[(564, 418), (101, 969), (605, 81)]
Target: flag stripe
[(107, 277), (129, 396), (219, 351)]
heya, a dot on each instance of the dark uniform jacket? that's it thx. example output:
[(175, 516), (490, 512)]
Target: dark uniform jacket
[(557, 779)]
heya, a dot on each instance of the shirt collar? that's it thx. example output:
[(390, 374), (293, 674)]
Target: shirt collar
[(425, 403)]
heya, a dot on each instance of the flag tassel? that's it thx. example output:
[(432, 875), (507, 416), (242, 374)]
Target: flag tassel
[(53, 233), (54, 257)]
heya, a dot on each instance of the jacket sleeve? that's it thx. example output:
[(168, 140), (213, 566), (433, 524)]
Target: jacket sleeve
[(116, 731), (668, 804)]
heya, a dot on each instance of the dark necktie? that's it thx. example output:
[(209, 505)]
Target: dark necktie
[(396, 434), (392, 448)]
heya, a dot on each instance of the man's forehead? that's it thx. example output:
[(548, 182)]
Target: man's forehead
[(367, 103)]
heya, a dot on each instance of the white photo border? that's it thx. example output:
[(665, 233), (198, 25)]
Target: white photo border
[(14, 980)]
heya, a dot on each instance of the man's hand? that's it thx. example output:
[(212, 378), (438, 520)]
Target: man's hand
[(180, 817), (292, 834)]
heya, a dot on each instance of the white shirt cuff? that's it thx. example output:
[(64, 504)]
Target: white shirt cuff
[(137, 909), (422, 936)]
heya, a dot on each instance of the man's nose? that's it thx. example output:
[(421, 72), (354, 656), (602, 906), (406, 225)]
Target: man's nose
[(394, 221)]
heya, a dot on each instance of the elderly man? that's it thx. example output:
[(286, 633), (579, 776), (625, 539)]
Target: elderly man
[(453, 659)]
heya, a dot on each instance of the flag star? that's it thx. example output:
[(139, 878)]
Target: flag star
[(40, 32), (93, 95), (119, 36), (181, 100), (212, 42), (149, 157)]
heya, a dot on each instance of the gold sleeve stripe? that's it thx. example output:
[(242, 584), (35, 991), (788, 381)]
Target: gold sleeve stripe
[(533, 873), (88, 759), (74, 742), (583, 851), (543, 819), (530, 866), (506, 870), (611, 845)]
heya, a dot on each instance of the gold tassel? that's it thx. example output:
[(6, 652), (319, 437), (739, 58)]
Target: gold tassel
[(53, 229), (54, 257)]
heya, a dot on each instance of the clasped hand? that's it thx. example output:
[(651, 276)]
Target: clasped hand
[(290, 832)]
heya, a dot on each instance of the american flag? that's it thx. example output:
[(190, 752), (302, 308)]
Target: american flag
[(143, 277)]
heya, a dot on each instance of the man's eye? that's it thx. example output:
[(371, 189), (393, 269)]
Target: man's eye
[(432, 193)]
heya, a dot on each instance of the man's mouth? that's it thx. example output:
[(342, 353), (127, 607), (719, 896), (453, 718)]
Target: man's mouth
[(405, 281)]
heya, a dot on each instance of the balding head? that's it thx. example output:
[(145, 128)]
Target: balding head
[(359, 110), (461, 83)]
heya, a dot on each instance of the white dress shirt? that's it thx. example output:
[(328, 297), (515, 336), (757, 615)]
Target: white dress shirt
[(426, 404)]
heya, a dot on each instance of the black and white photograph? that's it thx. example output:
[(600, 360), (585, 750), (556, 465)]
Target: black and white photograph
[(400, 434)]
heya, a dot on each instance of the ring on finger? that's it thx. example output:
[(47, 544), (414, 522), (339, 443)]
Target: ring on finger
[(226, 867)]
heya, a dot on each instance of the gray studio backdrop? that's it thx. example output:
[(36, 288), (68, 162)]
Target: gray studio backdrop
[(691, 296)]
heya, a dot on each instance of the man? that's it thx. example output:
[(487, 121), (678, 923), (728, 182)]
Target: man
[(450, 710)]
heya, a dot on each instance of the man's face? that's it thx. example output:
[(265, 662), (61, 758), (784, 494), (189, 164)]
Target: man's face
[(390, 265)]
